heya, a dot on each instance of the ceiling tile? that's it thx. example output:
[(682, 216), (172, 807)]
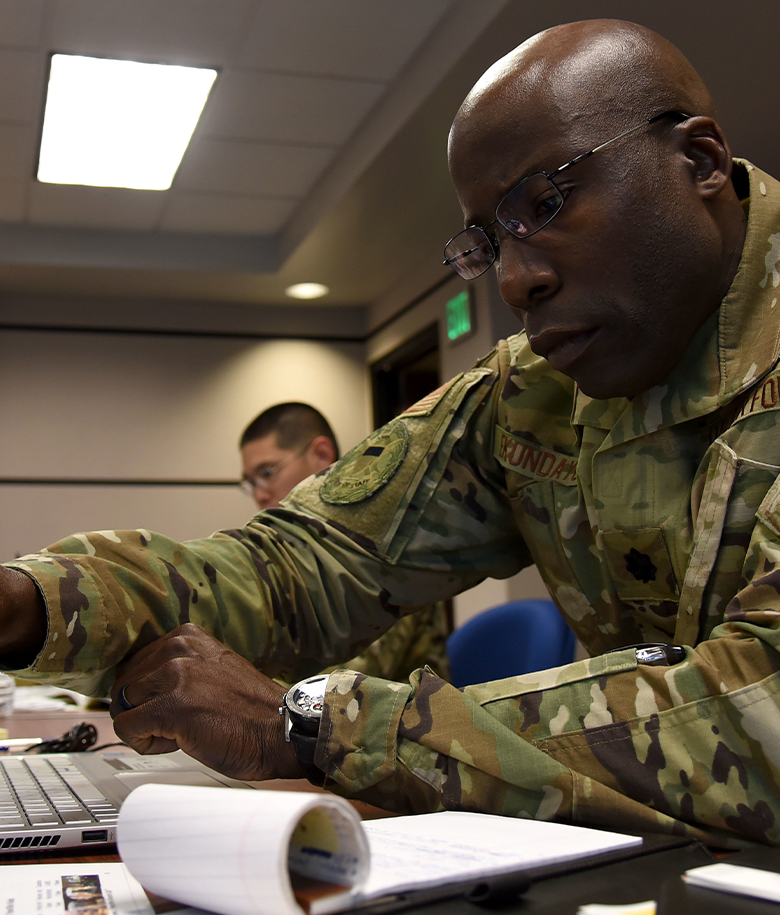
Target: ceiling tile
[(225, 215), (22, 78), (257, 169), (13, 201), (367, 39), (18, 151), (173, 31), (20, 22), (271, 106), (94, 207)]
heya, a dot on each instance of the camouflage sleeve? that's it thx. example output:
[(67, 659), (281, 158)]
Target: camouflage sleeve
[(689, 748), (297, 589), (417, 640)]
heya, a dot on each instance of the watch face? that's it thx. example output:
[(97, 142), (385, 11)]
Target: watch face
[(305, 698)]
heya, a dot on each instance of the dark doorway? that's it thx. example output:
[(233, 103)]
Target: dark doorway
[(405, 375)]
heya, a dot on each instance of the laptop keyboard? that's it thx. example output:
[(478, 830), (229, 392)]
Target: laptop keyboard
[(48, 793)]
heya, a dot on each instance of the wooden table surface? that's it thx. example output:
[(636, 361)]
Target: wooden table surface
[(56, 722)]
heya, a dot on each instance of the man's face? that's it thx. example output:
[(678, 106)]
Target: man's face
[(264, 454), (612, 291)]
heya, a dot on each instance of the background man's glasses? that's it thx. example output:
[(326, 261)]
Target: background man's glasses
[(528, 207), (262, 478)]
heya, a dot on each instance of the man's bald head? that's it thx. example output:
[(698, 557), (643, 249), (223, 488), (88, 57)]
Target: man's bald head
[(591, 73), (646, 235)]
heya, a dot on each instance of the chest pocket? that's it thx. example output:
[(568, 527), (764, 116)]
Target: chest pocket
[(735, 491), (640, 565), (555, 524), (769, 510)]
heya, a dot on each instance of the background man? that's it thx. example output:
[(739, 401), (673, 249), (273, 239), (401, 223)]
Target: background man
[(282, 446), (626, 441)]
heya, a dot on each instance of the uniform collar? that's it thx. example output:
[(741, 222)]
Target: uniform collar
[(732, 350)]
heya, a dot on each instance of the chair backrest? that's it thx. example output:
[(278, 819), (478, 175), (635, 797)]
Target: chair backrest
[(514, 638)]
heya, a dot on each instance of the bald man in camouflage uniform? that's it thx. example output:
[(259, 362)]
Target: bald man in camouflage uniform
[(626, 442)]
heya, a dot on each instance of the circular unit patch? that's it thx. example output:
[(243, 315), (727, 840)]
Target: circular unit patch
[(367, 467)]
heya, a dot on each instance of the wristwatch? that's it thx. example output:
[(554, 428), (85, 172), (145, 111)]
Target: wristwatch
[(302, 711)]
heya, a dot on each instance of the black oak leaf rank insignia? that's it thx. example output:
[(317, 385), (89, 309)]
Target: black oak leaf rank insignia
[(640, 565)]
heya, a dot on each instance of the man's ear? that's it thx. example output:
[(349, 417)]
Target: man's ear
[(323, 451), (704, 145)]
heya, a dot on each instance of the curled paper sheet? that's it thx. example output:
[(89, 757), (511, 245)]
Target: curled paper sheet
[(242, 852)]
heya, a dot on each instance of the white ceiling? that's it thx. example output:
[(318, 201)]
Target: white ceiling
[(321, 151)]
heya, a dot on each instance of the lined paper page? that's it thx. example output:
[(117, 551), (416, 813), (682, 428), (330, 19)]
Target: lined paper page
[(437, 848)]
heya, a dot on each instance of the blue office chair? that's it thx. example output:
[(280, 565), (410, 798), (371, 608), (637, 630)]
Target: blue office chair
[(514, 638)]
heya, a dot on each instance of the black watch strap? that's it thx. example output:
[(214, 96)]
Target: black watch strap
[(302, 711), (305, 746)]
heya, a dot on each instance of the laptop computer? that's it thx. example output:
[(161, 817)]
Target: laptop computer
[(72, 800)]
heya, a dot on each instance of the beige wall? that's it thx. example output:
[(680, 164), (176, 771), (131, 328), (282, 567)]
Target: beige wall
[(116, 406), (129, 407)]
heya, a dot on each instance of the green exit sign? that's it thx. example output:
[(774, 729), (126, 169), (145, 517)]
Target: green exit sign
[(460, 317)]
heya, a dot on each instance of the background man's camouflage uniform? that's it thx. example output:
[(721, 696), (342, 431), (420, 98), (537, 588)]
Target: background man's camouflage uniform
[(656, 519), (418, 640)]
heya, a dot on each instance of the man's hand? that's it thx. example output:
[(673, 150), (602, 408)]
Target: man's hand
[(192, 693), (23, 620)]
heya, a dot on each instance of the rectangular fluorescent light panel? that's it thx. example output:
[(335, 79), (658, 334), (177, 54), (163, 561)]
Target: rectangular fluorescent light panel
[(118, 123)]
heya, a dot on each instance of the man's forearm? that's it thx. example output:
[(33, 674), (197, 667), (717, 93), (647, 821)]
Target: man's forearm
[(23, 621), (602, 742)]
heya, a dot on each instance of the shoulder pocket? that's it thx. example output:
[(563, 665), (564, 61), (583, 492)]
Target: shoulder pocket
[(769, 510), (397, 468)]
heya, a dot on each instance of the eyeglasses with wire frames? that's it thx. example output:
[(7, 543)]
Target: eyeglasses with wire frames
[(261, 479), (528, 207)]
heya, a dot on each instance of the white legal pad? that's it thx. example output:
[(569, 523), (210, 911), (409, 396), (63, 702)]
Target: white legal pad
[(273, 852)]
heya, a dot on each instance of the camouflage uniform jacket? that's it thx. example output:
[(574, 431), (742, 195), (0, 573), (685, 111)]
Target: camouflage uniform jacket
[(656, 519)]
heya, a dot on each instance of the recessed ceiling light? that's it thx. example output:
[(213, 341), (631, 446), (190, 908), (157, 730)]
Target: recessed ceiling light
[(119, 123), (307, 291)]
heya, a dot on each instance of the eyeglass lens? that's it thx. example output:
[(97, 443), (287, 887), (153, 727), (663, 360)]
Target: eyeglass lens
[(528, 207), (262, 478), (470, 253)]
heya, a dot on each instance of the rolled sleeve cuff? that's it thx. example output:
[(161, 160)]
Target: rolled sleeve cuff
[(359, 731), (63, 658)]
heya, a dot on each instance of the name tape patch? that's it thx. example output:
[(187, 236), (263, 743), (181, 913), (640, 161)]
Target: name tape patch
[(533, 460), (763, 398)]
